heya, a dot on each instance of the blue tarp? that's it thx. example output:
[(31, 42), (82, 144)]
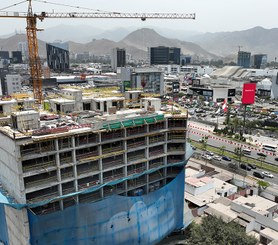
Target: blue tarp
[(116, 220)]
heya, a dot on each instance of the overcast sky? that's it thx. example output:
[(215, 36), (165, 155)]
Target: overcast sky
[(211, 15)]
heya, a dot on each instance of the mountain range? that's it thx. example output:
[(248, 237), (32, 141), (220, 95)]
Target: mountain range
[(202, 45)]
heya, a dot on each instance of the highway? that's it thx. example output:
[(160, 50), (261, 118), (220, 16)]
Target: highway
[(197, 131)]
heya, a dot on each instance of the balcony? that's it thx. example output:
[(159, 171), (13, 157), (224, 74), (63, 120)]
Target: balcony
[(156, 139), (134, 143), (136, 130), (37, 166), (112, 135), (136, 156), (156, 127), (88, 167), (156, 151), (86, 153), (113, 175), (40, 180), (111, 162)]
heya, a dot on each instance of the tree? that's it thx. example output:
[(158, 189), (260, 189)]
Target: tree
[(204, 142), (223, 150), (262, 185), (261, 159), (215, 231), (239, 153)]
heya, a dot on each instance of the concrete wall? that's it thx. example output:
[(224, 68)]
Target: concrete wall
[(18, 226), (10, 168)]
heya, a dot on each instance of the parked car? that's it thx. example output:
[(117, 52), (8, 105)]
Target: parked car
[(261, 154), (206, 157), (244, 166), (267, 174), (193, 148), (253, 166), (258, 175), (276, 158), (209, 153), (226, 158), (215, 157)]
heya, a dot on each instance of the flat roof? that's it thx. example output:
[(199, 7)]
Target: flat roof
[(256, 203), (220, 210), (269, 233)]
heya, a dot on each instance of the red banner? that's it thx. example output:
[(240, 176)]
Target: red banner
[(248, 93)]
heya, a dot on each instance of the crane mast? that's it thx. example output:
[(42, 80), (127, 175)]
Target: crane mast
[(34, 59), (31, 29)]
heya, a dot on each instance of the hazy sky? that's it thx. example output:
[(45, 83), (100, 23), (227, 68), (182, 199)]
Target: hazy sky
[(211, 15)]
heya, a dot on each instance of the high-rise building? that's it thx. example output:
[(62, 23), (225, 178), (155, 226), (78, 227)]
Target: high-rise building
[(185, 60), (115, 179), (4, 55), (244, 59), (57, 56), (23, 48), (118, 58), (164, 55), (16, 57), (259, 61)]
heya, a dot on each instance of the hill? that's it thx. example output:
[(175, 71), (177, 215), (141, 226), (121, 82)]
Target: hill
[(255, 40)]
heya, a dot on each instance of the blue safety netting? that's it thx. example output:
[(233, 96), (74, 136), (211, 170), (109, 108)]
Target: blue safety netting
[(115, 220)]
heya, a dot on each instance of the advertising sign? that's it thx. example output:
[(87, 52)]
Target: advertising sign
[(248, 93)]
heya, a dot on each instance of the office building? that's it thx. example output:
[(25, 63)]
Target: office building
[(57, 56), (244, 59), (259, 61), (16, 57), (164, 55), (118, 58)]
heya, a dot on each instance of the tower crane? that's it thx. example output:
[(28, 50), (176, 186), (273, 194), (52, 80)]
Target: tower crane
[(31, 30)]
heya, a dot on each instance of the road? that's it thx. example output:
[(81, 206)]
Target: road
[(197, 131)]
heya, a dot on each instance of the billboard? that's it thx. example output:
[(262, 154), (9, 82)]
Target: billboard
[(248, 93)]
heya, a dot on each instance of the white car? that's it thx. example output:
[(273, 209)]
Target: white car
[(206, 157), (215, 157), (267, 174)]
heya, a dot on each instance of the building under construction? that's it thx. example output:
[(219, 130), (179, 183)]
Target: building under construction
[(111, 178)]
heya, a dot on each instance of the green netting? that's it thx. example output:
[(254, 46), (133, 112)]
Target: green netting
[(159, 117), (150, 120), (132, 122), (139, 121), (128, 123)]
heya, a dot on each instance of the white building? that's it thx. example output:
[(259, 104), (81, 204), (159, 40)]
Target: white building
[(13, 82)]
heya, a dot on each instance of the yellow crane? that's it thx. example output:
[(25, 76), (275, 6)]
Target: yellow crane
[(31, 29)]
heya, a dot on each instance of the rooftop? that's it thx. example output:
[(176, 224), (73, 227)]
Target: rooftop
[(256, 203)]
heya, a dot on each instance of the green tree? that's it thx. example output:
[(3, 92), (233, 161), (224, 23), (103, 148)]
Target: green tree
[(215, 231), (239, 154), (261, 159), (262, 185), (204, 142), (223, 148)]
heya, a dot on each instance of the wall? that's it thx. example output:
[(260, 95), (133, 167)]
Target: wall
[(10, 168), (3, 230), (17, 225)]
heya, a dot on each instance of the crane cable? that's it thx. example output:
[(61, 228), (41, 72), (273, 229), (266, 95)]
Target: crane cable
[(15, 4), (71, 6)]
